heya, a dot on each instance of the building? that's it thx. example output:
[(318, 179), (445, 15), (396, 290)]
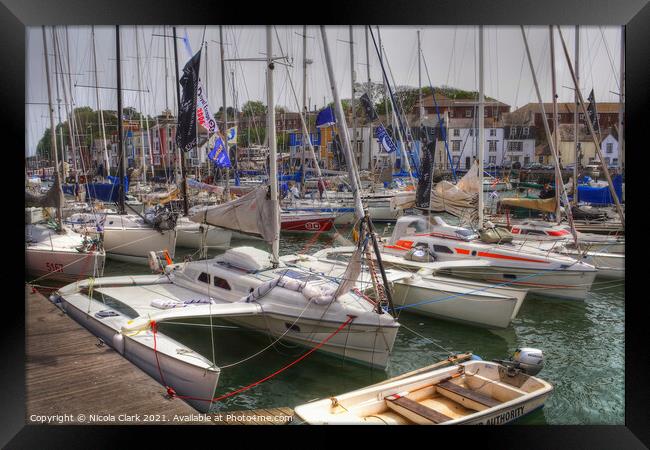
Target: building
[(459, 108), (463, 143), (520, 136), (607, 114)]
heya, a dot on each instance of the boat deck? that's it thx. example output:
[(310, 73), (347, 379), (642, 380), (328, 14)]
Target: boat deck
[(68, 373)]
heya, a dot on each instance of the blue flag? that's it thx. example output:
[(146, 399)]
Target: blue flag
[(384, 139), (219, 154), (325, 118)]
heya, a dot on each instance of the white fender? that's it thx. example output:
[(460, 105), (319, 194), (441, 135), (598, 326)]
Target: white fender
[(118, 343)]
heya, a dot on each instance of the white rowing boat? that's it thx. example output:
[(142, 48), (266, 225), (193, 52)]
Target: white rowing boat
[(469, 393)]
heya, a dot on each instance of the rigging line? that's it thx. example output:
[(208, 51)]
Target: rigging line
[(451, 57), (428, 339), (609, 56)]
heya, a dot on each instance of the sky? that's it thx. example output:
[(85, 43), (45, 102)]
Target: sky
[(450, 57)]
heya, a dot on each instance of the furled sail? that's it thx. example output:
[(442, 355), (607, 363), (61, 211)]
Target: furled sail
[(53, 198), (251, 214), (539, 204), (460, 199)]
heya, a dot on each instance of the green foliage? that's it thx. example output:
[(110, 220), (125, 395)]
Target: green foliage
[(253, 108)]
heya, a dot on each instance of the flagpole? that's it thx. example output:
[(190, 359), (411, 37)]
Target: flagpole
[(178, 110)]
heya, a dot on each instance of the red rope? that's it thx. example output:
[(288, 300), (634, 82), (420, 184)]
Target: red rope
[(172, 393)]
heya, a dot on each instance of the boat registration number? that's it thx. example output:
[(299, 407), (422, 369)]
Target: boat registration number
[(54, 267)]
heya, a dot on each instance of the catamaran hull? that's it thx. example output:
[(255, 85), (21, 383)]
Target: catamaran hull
[(194, 238), (63, 265), (473, 309), (364, 344), (134, 244), (185, 379), (573, 285)]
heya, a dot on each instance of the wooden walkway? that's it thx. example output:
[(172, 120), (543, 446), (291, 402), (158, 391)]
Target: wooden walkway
[(70, 379)]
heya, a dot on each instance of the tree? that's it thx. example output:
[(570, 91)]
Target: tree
[(253, 108)]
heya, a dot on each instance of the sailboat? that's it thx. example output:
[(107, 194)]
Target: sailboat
[(57, 252), (128, 237), (244, 285)]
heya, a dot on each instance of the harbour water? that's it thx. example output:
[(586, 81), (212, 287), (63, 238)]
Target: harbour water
[(583, 343)]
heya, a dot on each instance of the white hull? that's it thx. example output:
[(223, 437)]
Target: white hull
[(459, 305), (134, 244), (481, 394), (184, 370), (191, 235), (63, 265)]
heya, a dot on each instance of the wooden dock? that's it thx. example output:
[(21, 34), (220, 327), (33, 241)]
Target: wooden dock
[(72, 379)]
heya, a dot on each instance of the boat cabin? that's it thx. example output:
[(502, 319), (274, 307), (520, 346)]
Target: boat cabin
[(412, 226)]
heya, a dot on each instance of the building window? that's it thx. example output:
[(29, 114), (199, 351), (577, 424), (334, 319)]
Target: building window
[(526, 159), (607, 161), (455, 160), (493, 131), (456, 132), (492, 146), (485, 112), (468, 113), (615, 161), (455, 146), (513, 132), (451, 113), (526, 131), (610, 147), (492, 159), (541, 160), (471, 131), (515, 158), (515, 146)]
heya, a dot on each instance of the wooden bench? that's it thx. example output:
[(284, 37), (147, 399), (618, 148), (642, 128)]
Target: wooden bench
[(414, 411), (474, 396)]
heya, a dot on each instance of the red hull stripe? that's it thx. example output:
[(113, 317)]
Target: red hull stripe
[(526, 283), (463, 251)]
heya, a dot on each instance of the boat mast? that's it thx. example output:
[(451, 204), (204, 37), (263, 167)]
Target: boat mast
[(547, 130), (235, 124), (591, 132), (120, 138), (225, 109), (481, 126), (371, 165), (99, 108), (137, 59), (420, 109), (575, 119), (273, 156), (556, 130), (621, 104), (352, 110), (181, 156), (57, 181), (304, 107), (353, 173)]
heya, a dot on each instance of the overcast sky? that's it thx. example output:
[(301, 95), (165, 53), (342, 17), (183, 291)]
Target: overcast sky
[(450, 54)]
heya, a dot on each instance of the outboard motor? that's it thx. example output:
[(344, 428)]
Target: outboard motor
[(527, 360)]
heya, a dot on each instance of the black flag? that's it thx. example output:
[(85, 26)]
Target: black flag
[(186, 137), (367, 107), (423, 192), (591, 110)]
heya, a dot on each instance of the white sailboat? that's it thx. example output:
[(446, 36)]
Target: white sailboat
[(58, 253)]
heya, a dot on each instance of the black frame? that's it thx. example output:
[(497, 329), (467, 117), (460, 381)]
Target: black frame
[(16, 14)]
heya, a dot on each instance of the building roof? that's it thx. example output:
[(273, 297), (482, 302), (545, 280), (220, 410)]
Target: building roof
[(442, 100), (567, 108), (489, 122)]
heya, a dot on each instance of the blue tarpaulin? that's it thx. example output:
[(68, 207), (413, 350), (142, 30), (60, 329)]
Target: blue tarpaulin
[(601, 195), (106, 192)]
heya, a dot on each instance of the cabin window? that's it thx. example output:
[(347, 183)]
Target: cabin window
[(509, 276), (221, 283), (533, 232), (442, 249), (204, 277)]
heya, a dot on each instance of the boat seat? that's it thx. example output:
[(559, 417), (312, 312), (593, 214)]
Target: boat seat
[(474, 396), (414, 411)]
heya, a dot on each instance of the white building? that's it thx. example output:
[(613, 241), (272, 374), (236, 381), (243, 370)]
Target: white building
[(462, 139), (519, 143), (609, 148)]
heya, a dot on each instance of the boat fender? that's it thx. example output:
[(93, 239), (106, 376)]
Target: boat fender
[(55, 298), (118, 343)]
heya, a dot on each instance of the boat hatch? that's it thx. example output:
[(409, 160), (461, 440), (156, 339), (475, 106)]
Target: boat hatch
[(296, 275)]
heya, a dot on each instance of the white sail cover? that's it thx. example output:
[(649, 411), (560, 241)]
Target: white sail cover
[(251, 213), (460, 199)]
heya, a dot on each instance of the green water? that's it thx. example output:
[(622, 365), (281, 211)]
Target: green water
[(583, 343)]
